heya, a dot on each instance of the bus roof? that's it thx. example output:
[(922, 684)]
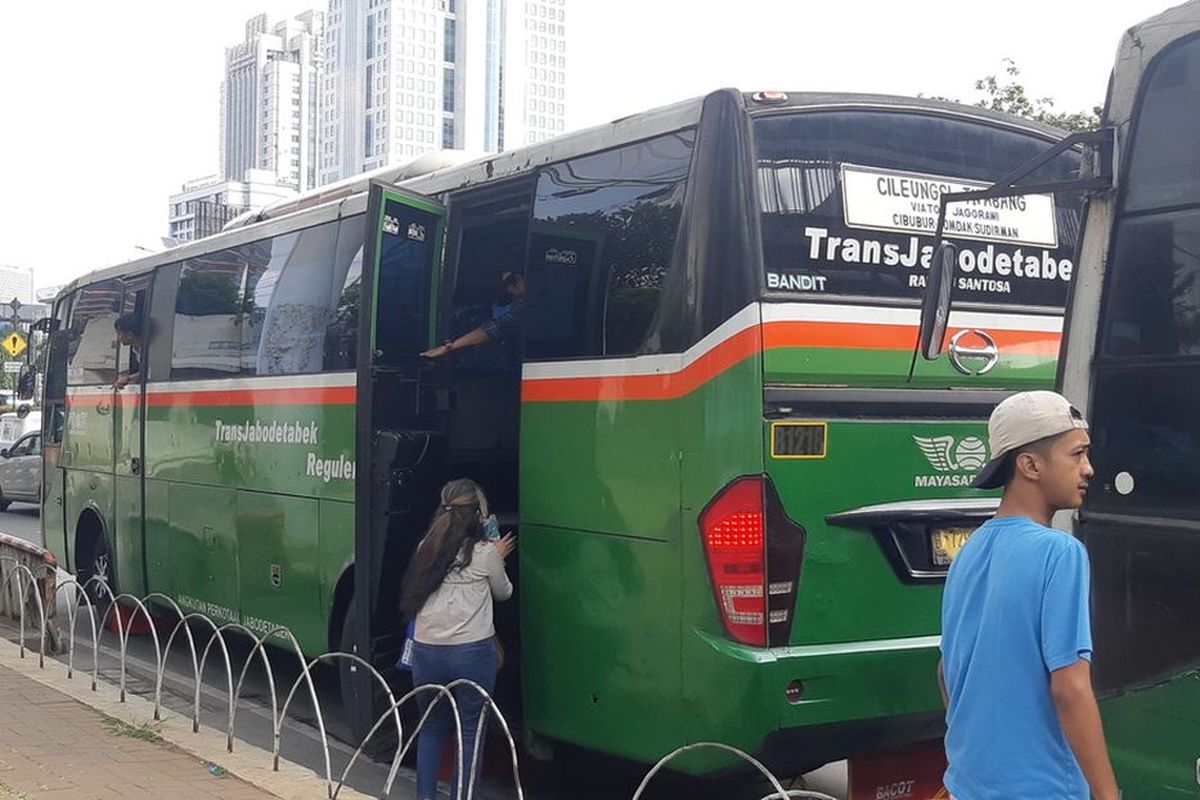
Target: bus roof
[(1140, 45), (438, 172)]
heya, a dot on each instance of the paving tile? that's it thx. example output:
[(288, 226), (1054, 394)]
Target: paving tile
[(54, 747)]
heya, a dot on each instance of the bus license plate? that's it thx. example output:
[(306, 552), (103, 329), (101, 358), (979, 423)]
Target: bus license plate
[(947, 542)]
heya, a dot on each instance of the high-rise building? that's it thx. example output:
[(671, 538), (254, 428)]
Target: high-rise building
[(404, 77), (203, 206), (15, 282), (516, 87), (270, 98)]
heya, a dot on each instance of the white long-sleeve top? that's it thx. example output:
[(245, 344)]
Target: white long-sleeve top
[(460, 610)]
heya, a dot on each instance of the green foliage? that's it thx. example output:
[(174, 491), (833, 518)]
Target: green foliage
[(1007, 94), (637, 242), (146, 732), (202, 292), (7, 791)]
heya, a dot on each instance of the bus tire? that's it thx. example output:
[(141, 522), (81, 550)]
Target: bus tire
[(99, 563), (360, 715)]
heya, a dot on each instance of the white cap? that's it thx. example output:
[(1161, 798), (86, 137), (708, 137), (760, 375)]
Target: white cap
[(1020, 420)]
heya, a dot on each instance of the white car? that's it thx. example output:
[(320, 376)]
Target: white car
[(14, 425), (21, 471)]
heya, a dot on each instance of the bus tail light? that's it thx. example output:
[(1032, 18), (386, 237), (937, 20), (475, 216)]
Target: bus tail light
[(754, 553)]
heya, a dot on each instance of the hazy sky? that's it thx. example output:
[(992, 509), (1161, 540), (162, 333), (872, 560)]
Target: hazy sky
[(109, 107)]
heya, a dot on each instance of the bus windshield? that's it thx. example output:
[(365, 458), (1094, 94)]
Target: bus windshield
[(849, 203)]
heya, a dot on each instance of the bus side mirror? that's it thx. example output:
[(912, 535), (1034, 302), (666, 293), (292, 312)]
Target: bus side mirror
[(45, 325), (25, 381), (935, 307)]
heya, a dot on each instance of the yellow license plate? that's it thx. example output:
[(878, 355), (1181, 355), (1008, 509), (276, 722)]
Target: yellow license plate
[(947, 542)]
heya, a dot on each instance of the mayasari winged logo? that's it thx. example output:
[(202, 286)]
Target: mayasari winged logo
[(945, 456), (939, 451)]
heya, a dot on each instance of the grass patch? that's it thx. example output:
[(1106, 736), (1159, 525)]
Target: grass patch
[(145, 732), (8, 791)]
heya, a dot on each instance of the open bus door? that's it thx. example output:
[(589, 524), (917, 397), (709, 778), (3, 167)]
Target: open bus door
[(398, 444), (128, 411)]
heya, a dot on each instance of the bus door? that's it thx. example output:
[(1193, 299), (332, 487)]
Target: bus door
[(397, 444), (54, 416), (87, 441), (128, 402)]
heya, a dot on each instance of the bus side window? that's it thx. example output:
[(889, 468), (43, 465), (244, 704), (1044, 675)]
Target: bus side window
[(91, 335), (131, 359), (341, 332), (55, 388), (1153, 303), (207, 337), (287, 305), (601, 245), (289, 290)]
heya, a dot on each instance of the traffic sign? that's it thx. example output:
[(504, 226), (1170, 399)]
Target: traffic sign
[(12, 367), (14, 343)]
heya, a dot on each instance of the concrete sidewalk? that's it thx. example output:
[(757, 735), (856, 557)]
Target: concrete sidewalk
[(53, 746), (58, 738)]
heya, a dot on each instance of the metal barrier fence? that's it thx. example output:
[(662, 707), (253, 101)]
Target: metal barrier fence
[(28, 585)]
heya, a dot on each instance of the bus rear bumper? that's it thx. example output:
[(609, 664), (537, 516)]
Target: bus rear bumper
[(845, 699), (798, 750)]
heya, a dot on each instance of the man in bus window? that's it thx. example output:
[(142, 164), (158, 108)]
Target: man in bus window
[(1016, 628), (505, 321), (129, 334)]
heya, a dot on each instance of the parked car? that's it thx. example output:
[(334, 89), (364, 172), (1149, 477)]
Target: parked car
[(21, 471)]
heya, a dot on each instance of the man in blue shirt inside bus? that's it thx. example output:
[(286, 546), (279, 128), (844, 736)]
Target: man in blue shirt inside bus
[(505, 322), (1022, 720)]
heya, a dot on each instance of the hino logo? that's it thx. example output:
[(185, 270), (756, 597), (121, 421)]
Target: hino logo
[(977, 346), (949, 455)]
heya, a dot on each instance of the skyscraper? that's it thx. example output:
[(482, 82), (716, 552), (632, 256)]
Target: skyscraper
[(202, 207), (515, 88), (269, 100), (15, 282), (404, 77)]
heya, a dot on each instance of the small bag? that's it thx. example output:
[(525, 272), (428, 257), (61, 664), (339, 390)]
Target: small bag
[(405, 662)]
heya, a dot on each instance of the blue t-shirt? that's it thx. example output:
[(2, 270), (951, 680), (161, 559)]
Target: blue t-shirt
[(1015, 610)]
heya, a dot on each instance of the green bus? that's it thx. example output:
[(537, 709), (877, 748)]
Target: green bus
[(1130, 363), (736, 496)]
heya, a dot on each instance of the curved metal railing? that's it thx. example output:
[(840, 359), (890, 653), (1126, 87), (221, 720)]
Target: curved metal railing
[(22, 590)]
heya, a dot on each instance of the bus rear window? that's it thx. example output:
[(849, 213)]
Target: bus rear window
[(849, 203)]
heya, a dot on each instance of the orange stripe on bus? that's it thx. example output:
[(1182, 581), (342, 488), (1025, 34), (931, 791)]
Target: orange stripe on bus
[(669, 386), (664, 386), (300, 396), (894, 337), (89, 400)]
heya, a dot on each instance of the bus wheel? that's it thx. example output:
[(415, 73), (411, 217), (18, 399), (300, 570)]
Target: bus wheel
[(363, 698), (99, 565)]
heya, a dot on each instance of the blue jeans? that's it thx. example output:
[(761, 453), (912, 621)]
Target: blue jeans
[(442, 664)]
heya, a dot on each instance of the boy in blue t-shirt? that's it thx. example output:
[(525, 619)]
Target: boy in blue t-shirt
[(1016, 630)]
